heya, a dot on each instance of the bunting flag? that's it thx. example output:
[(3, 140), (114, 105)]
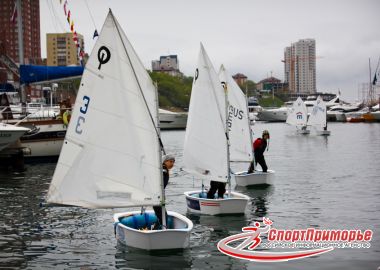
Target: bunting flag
[(64, 7), (374, 79), (80, 52), (14, 13), (68, 16), (95, 34)]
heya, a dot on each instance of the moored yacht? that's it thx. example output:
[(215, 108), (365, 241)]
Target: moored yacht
[(253, 109), (338, 112), (10, 134), (275, 114), (172, 120)]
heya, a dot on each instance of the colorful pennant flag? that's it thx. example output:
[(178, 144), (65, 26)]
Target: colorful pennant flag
[(14, 13)]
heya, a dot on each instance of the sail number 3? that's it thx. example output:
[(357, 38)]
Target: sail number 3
[(81, 118)]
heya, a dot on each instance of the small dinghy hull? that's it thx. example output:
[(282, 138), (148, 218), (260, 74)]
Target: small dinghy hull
[(303, 131), (323, 132), (256, 178), (135, 233), (198, 203)]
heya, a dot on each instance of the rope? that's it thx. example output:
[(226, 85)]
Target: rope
[(89, 11)]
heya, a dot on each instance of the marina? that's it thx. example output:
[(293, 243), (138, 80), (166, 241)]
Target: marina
[(117, 157), (321, 182)]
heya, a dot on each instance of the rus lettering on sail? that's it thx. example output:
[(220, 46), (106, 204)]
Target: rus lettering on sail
[(233, 113)]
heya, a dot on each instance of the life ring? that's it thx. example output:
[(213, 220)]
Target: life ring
[(66, 117)]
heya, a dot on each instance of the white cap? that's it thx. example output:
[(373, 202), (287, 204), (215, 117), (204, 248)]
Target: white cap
[(167, 157)]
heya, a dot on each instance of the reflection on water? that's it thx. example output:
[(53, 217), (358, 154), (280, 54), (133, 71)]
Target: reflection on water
[(138, 259), (326, 182)]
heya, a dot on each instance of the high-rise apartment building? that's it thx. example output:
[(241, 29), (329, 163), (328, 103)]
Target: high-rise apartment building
[(300, 67), (30, 28), (62, 50)]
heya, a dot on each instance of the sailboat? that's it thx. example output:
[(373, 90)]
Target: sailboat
[(111, 156), (297, 116), (240, 134), (318, 117), (206, 149)]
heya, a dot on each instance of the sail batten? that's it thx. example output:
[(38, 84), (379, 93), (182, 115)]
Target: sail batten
[(110, 157)]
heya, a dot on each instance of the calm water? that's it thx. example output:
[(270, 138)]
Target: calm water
[(330, 183)]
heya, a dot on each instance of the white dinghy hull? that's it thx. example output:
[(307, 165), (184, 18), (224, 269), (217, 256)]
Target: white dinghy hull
[(256, 178), (176, 238), (303, 131), (234, 205)]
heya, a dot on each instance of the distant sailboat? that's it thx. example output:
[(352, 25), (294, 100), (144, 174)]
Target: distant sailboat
[(297, 116), (206, 149), (111, 155), (318, 117), (240, 134)]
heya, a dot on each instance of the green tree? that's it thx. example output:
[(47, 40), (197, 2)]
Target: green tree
[(174, 92)]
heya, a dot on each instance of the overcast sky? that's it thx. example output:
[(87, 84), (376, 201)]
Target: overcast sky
[(247, 36)]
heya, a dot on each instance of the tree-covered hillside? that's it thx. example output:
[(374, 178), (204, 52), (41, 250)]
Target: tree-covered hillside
[(174, 92)]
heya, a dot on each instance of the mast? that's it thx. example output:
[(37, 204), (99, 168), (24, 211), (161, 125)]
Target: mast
[(249, 128), (163, 212), (370, 94), (20, 45), (227, 139)]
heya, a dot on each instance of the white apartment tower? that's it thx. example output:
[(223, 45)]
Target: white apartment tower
[(300, 67)]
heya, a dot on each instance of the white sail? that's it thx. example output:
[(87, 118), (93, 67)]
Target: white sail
[(205, 149), (110, 156), (318, 114), (297, 115), (237, 120)]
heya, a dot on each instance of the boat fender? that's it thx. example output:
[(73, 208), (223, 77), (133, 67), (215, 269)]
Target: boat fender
[(170, 224), (66, 117), (203, 195), (139, 221)]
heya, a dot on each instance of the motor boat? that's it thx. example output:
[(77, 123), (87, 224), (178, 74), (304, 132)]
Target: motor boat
[(10, 134), (273, 115), (253, 109), (338, 112), (172, 120)]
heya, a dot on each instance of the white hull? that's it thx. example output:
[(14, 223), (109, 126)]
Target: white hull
[(273, 115), (172, 120), (303, 131), (340, 117), (10, 134), (46, 141), (255, 178), (47, 148), (336, 116), (234, 205), (176, 238)]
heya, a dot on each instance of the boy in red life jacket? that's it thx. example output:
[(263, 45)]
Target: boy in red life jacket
[(259, 146)]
